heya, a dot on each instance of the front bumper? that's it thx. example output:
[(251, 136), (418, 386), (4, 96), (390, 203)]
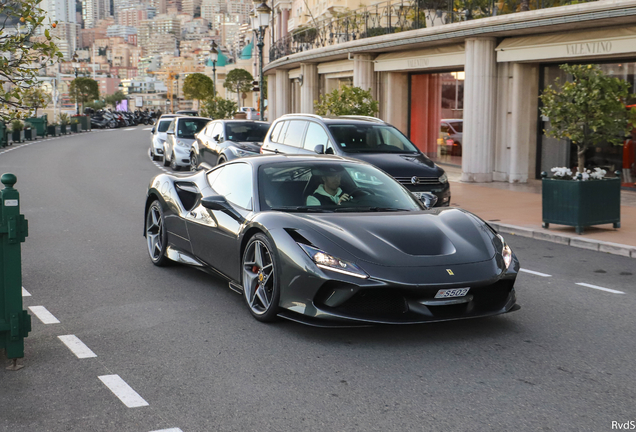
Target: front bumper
[(182, 155)]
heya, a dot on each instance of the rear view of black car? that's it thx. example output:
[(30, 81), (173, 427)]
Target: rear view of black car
[(365, 138)]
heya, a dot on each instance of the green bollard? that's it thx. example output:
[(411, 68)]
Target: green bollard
[(15, 323)]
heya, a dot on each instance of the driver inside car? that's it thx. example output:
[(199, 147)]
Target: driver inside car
[(329, 191)]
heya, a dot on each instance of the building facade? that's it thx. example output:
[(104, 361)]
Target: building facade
[(467, 92)]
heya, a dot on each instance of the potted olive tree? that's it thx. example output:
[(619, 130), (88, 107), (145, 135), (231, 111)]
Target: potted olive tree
[(17, 128), (589, 110), (64, 121)]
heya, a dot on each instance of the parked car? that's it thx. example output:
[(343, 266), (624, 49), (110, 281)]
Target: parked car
[(158, 135), (180, 136), (381, 257), (225, 140), (365, 138), (192, 113), (252, 113), (450, 137)]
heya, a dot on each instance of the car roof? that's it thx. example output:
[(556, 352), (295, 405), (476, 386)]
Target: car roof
[(193, 117), (257, 161), (347, 119), (241, 121), (169, 116)]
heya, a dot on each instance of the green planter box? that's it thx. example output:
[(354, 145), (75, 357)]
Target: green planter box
[(17, 136), (39, 125), (54, 130), (76, 128), (581, 203), (30, 134), (85, 121)]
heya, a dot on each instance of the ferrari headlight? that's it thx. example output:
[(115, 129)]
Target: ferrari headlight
[(330, 262), (240, 152), (182, 143), (506, 252), (443, 178)]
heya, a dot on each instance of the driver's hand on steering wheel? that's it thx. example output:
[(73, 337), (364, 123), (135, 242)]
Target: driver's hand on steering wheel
[(344, 197)]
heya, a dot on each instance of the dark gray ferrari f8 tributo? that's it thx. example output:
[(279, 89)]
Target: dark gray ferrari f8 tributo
[(329, 241)]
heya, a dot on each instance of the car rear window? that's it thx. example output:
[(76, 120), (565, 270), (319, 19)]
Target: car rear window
[(163, 125), (186, 128)]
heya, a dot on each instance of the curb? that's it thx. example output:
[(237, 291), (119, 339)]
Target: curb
[(583, 243)]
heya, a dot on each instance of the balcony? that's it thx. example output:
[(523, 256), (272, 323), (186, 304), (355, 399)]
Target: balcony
[(395, 16)]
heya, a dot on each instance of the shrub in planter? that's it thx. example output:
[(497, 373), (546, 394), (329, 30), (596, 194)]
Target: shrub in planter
[(589, 110), (65, 119), (17, 131), (54, 129), (29, 132)]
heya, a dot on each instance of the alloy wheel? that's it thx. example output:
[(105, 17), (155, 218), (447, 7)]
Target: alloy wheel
[(154, 233), (193, 162), (258, 277)]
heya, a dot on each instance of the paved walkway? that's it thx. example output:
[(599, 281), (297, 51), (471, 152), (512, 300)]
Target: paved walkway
[(516, 209)]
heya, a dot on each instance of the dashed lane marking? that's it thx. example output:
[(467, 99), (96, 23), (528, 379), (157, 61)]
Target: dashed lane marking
[(77, 347), (169, 430), (44, 315), (131, 129), (536, 273), (600, 288), (123, 391), (147, 128), (25, 293)]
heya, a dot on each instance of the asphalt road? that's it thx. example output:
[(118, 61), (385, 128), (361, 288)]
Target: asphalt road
[(193, 359)]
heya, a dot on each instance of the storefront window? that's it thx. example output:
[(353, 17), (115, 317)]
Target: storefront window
[(553, 152), (436, 113)]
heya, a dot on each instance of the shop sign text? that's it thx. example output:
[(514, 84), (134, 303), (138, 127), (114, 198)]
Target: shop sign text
[(585, 48), (418, 62)]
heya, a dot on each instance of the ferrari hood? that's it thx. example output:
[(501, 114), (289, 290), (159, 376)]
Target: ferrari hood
[(443, 237)]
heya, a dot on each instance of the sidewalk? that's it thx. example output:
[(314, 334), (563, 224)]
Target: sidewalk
[(516, 209)]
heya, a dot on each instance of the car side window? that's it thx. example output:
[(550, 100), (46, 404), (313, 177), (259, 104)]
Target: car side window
[(218, 130), (234, 182), (171, 127), (294, 133), (315, 135), (276, 132)]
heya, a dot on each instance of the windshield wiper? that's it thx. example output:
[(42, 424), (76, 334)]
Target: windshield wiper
[(369, 209), (309, 209)]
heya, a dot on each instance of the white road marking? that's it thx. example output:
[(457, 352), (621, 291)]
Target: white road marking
[(535, 272), (44, 315), (600, 288), (77, 347), (147, 128), (169, 430), (25, 293), (123, 391), (131, 129)]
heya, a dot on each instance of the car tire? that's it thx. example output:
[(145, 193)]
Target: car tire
[(194, 164), (166, 162), (221, 161), (173, 163), (156, 238), (261, 287)]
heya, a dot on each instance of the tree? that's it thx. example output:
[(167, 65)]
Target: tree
[(36, 97), (589, 110), (114, 98), (347, 101), (198, 86), (22, 53), (83, 90), (218, 108), (239, 81)]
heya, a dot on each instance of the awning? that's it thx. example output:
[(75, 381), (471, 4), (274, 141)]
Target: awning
[(430, 58), (336, 67), (575, 45)]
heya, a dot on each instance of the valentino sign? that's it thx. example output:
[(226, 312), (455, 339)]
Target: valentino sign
[(585, 48)]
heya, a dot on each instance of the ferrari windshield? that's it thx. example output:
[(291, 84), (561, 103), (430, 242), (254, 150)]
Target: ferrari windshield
[(368, 138), (325, 186)]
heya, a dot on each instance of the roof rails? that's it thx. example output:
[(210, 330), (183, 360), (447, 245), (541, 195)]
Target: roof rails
[(302, 115), (361, 117)]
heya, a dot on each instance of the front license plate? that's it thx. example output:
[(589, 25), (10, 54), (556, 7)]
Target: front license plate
[(455, 292)]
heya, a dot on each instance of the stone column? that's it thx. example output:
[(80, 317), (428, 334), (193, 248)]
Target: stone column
[(282, 93), (310, 89), (480, 95), (395, 100), (271, 100), (364, 73), (523, 132), (279, 27), (285, 20)]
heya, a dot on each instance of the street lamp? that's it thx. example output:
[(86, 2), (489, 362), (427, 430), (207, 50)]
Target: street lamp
[(75, 68), (260, 22), (214, 56)]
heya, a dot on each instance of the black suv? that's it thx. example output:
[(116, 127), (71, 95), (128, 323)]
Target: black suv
[(365, 138)]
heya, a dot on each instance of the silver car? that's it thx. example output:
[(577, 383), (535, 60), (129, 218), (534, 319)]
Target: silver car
[(180, 136), (158, 136)]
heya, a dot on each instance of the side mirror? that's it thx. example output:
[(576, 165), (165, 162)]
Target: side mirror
[(218, 202), (329, 151), (217, 138), (428, 199), (320, 149), (170, 132), (152, 131)]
